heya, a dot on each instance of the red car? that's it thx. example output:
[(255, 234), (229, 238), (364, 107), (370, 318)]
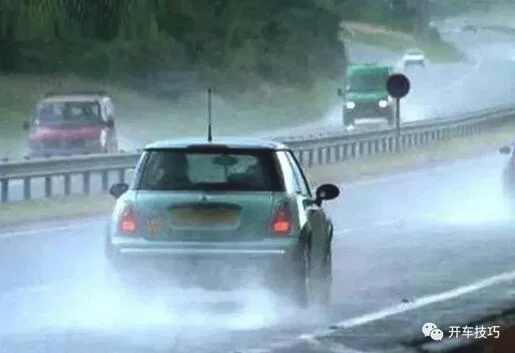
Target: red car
[(72, 123)]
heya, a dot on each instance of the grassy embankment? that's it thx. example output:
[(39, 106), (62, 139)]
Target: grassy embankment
[(383, 37), (78, 206), (144, 118), (502, 15)]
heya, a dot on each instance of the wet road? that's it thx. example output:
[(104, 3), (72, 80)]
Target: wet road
[(402, 237)]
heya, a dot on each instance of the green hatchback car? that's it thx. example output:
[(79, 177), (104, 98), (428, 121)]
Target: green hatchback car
[(218, 215)]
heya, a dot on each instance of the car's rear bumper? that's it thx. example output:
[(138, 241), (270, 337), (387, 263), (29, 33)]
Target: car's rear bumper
[(138, 248), (203, 262)]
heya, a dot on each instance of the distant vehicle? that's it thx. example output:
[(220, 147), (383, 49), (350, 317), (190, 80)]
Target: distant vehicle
[(509, 174), (414, 57), (365, 94), (72, 123), (216, 214)]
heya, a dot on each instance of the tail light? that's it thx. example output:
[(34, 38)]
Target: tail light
[(127, 221), (281, 221)]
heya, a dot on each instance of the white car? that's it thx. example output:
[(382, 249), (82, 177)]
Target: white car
[(414, 57)]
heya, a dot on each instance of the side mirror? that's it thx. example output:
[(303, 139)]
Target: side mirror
[(110, 123), (118, 190), (505, 150), (326, 192), (340, 92), (26, 126)]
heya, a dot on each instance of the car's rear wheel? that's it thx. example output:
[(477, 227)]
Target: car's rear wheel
[(307, 284)]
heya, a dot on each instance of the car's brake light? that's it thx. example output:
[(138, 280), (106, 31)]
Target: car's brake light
[(281, 221), (128, 219)]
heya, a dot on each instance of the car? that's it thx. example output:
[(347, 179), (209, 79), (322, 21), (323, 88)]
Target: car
[(365, 95), (72, 123), (218, 215), (414, 57), (508, 177)]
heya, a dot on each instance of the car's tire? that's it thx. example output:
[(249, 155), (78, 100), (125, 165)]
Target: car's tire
[(306, 285)]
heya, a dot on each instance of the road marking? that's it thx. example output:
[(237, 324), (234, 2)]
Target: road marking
[(478, 61), (417, 303), (313, 338), (4, 235)]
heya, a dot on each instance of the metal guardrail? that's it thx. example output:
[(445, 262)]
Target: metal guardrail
[(96, 172)]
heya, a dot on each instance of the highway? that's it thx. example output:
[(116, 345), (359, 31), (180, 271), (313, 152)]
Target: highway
[(438, 90), (429, 238)]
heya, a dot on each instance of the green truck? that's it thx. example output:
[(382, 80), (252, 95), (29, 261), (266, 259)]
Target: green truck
[(365, 94)]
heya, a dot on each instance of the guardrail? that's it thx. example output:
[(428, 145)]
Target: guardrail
[(92, 174)]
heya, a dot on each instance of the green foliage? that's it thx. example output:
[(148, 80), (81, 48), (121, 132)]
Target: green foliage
[(446, 8), (286, 42)]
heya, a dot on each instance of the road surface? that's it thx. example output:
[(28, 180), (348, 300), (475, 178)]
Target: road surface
[(399, 238)]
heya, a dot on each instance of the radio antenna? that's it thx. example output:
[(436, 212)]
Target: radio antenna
[(209, 122)]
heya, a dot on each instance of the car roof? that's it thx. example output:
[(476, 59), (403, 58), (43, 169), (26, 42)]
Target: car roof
[(70, 98), (368, 66), (230, 142)]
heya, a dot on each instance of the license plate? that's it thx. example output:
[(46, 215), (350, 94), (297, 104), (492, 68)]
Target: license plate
[(203, 217)]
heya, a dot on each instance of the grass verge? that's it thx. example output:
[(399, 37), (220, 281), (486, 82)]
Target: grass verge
[(502, 15), (397, 41), (146, 118), (80, 206)]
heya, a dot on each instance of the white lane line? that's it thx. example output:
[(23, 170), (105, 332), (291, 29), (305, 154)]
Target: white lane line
[(42, 231), (313, 337), (478, 61), (416, 304)]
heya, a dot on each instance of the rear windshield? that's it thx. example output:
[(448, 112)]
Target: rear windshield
[(209, 170)]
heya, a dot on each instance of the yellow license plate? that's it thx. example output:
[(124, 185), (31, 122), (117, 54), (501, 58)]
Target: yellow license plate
[(203, 217)]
